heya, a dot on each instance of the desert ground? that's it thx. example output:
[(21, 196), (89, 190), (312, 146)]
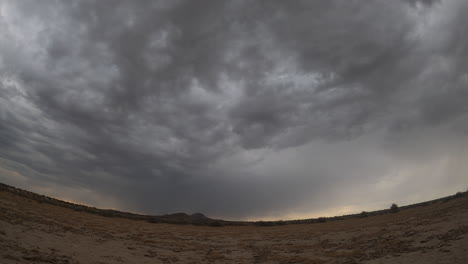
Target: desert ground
[(34, 232)]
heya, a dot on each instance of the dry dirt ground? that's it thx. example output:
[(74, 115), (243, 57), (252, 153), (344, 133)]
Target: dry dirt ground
[(33, 232)]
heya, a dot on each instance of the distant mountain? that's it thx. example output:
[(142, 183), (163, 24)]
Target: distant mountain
[(176, 218)]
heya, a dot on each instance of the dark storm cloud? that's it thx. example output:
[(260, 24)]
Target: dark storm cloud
[(178, 105)]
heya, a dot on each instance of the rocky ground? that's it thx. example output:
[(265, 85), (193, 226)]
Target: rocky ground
[(34, 232)]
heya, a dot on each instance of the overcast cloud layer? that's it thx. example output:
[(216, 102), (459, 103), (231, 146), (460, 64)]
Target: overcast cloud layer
[(237, 109)]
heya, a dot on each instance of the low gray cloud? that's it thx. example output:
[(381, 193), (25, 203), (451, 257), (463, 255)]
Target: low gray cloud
[(240, 109)]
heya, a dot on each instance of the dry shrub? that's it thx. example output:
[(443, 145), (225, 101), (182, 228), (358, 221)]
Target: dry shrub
[(394, 208)]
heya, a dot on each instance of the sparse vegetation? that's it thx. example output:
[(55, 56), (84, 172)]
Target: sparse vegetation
[(264, 223), (322, 220), (216, 224), (363, 214), (280, 223), (153, 220)]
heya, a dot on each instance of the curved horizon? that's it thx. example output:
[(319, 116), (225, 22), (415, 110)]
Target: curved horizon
[(37, 196)]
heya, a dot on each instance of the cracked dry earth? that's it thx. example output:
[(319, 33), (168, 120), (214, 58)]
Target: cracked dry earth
[(31, 232)]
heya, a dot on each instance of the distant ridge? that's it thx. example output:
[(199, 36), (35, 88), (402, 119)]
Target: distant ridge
[(176, 218), (201, 219)]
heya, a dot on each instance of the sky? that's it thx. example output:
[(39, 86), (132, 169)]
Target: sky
[(239, 110)]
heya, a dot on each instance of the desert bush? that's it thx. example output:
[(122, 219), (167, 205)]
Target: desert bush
[(274, 223), (322, 220), (363, 214), (154, 220), (216, 224), (264, 223), (394, 208), (280, 223), (178, 222)]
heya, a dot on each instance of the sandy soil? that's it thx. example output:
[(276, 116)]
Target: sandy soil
[(33, 232)]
